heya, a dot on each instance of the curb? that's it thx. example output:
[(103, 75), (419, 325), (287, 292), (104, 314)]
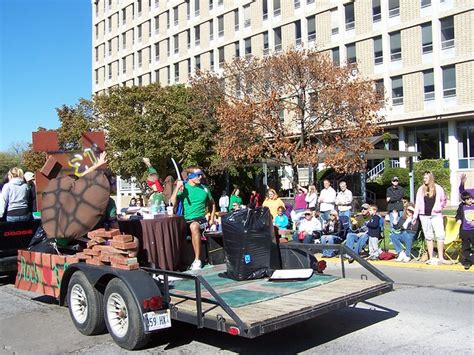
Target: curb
[(411, 264)]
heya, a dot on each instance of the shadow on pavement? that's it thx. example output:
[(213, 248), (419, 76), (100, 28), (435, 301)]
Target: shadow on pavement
[(293, 339)]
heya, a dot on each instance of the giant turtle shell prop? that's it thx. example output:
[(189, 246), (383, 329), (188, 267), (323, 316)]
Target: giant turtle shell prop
[(70, 208)]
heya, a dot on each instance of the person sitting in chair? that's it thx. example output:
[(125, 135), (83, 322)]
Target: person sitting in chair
[(331, 233), (281, 219), (308, 228), (358, 237), (405, 230)]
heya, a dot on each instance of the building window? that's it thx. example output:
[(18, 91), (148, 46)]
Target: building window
[(124, 16), (236, 19), (428, 85), (266, 44), (109, 24), (176, 72), (211, 4), (449, 81), (395, 46), (176, 43), (351, 53), (336, 60), (334, 22), (157, 25), (310, 2), (350, 16), (426, 38), (264, 9), (248, 46), (277, 38), (140, 58), (139, 7), (297, 4), (276, 8), (188, 10), (188, 38), (197, 62), (378, 51), (311, 24), (247, 16), (109, 69), (124, 65), (380, 89), (466, 144), (397, 90), (425, 3), (393, 8), (168, 47), (96, 54), (220, 53), (211, 54), (220, 26), (447, 32), (168, 74), (176, 15), (376, 11), (237, 49), (140, 32), (157, 52), (211, 30), (168, 20), (220, 2), (196, 8), (197, 35), (109, 46), (298, 33)]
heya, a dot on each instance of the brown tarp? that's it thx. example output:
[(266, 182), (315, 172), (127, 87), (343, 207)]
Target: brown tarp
[(162, 240)]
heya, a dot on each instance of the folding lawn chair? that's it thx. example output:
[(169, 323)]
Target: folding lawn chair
[(452, 241)]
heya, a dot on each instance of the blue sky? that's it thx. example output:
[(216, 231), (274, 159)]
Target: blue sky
[(45, 62)]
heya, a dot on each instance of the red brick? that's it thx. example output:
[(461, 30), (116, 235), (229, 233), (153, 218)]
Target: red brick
[(92, 252), (111, 233), (82, 256), (58, 259), (72, 259), (104, 257), (91, 243), (125, 246), (99, 233), (122, 260), (109, 249), (123, 238), (94, 261), (126, 267), (51, 168)]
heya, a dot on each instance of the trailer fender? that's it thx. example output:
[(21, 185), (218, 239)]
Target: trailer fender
[(141, 284)]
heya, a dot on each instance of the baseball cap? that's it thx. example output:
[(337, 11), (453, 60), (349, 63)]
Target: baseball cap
[(395, 178), (365, 206), (29, 176)]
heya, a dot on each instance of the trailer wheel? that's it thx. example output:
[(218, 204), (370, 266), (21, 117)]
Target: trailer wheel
[(123, 317), (85, 305)]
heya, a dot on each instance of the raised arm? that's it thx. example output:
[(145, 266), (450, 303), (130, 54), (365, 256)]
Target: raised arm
[(101, 162)]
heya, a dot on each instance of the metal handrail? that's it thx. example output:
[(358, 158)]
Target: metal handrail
[(199, 280)]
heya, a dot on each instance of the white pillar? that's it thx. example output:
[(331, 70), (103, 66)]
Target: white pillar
[(402, 146), (452, 155)]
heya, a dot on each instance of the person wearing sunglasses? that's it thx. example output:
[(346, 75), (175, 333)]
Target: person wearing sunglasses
[(357, 239), (309, 228), (196, 198), (331, 233)]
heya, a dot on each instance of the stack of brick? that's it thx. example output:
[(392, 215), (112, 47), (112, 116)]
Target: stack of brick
[(111, 248)]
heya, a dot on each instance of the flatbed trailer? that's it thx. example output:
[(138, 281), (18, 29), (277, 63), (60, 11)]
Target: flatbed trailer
[(132, 305)]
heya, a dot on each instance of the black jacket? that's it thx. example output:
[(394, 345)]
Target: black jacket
[(337, 229), (411, 228), (396, 196)]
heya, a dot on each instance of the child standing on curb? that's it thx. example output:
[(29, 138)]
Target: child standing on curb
[(465, 217), (373, 232)]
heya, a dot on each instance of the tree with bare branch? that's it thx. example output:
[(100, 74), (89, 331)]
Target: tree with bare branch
[(295, 107)]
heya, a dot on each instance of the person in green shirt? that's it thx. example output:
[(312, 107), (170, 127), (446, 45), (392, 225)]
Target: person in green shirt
[(195, 197), (235, 198)]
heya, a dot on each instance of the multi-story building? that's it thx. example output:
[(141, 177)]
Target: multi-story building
[(420, 52)]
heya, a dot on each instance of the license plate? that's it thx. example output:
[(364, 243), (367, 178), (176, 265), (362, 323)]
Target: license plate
[(157, 320)]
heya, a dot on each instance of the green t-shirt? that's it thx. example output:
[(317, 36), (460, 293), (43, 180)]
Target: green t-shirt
[(235, 199), (195, 199)]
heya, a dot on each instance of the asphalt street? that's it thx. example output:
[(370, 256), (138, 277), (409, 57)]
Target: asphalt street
[(430, 311)]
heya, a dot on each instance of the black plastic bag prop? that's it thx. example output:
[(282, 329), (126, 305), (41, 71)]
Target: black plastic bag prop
[(249, 244)]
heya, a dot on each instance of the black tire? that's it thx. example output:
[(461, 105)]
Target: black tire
[(118, 298), (83, 298)]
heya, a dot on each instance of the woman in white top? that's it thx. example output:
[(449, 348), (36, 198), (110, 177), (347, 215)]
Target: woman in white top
[(312, 197)]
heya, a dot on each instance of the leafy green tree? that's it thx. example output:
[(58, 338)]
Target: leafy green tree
[(73, 121), (7, 161), (155, 122)]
